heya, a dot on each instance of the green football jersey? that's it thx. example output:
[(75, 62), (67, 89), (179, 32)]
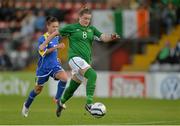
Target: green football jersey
[(80, 40)]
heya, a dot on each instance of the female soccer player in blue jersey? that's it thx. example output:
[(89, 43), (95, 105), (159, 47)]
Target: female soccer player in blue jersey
[(48, 66)]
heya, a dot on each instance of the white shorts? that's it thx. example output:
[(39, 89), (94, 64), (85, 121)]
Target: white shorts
[(77, 64)]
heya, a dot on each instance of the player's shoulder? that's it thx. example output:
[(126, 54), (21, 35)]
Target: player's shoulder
[(65, 27), (74, 24), (44, 36), (92, 27), (69, 25), (41, 38)]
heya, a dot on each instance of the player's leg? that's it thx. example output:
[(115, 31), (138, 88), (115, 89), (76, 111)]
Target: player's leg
[(82, 69), (91, 76), (30, 99), (59, 74), (37, 90), (62, 77), (75, 80), (69, 91)]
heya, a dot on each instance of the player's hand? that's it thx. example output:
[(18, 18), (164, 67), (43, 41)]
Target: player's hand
[(42, 47), (61, 45), (114, 36)]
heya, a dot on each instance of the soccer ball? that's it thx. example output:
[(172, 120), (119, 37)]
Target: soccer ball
[(98, 110)]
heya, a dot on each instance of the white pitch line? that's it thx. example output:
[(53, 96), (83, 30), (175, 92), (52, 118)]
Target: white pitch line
[(153, 122)]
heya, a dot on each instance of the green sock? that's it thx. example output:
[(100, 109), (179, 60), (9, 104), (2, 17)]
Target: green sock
[(91, 75), (69, 91)]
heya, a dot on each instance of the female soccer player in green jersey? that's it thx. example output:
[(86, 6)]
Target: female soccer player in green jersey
[(81, 36)]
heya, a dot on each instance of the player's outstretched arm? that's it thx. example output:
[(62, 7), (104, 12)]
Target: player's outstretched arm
[(59, 46), (109, 37), (49, 38)]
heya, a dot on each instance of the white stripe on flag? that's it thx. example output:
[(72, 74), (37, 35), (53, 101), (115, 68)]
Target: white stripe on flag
[(129, 24)]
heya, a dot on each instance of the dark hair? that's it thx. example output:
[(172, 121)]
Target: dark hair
[(51, 19), (84, 10)]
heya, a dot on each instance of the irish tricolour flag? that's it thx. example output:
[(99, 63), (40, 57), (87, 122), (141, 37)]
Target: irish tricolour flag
[(127, 23)]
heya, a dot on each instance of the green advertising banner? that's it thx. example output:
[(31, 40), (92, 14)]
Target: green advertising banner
[(18, 83)]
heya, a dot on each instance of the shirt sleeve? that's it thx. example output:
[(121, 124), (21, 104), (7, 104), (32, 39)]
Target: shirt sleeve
[(59, 39), (40, 41), (97, 32), (65, 31)]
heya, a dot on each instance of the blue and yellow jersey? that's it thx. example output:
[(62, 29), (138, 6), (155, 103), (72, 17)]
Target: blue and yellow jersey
[(48, 61)]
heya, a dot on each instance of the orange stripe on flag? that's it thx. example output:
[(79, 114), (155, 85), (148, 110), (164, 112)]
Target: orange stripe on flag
[(143, 23)]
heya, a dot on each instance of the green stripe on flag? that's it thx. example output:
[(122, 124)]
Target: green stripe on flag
[(118, 22)]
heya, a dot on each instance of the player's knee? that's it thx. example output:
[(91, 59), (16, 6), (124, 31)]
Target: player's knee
[(74, 78), (38, 89), (61, 76), (64, 78), (93, 75)]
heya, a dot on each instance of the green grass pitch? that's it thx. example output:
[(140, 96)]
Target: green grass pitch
[(119, 111)]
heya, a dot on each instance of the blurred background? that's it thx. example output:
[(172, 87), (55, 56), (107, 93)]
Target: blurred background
[(149, 44), (138, 75)]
